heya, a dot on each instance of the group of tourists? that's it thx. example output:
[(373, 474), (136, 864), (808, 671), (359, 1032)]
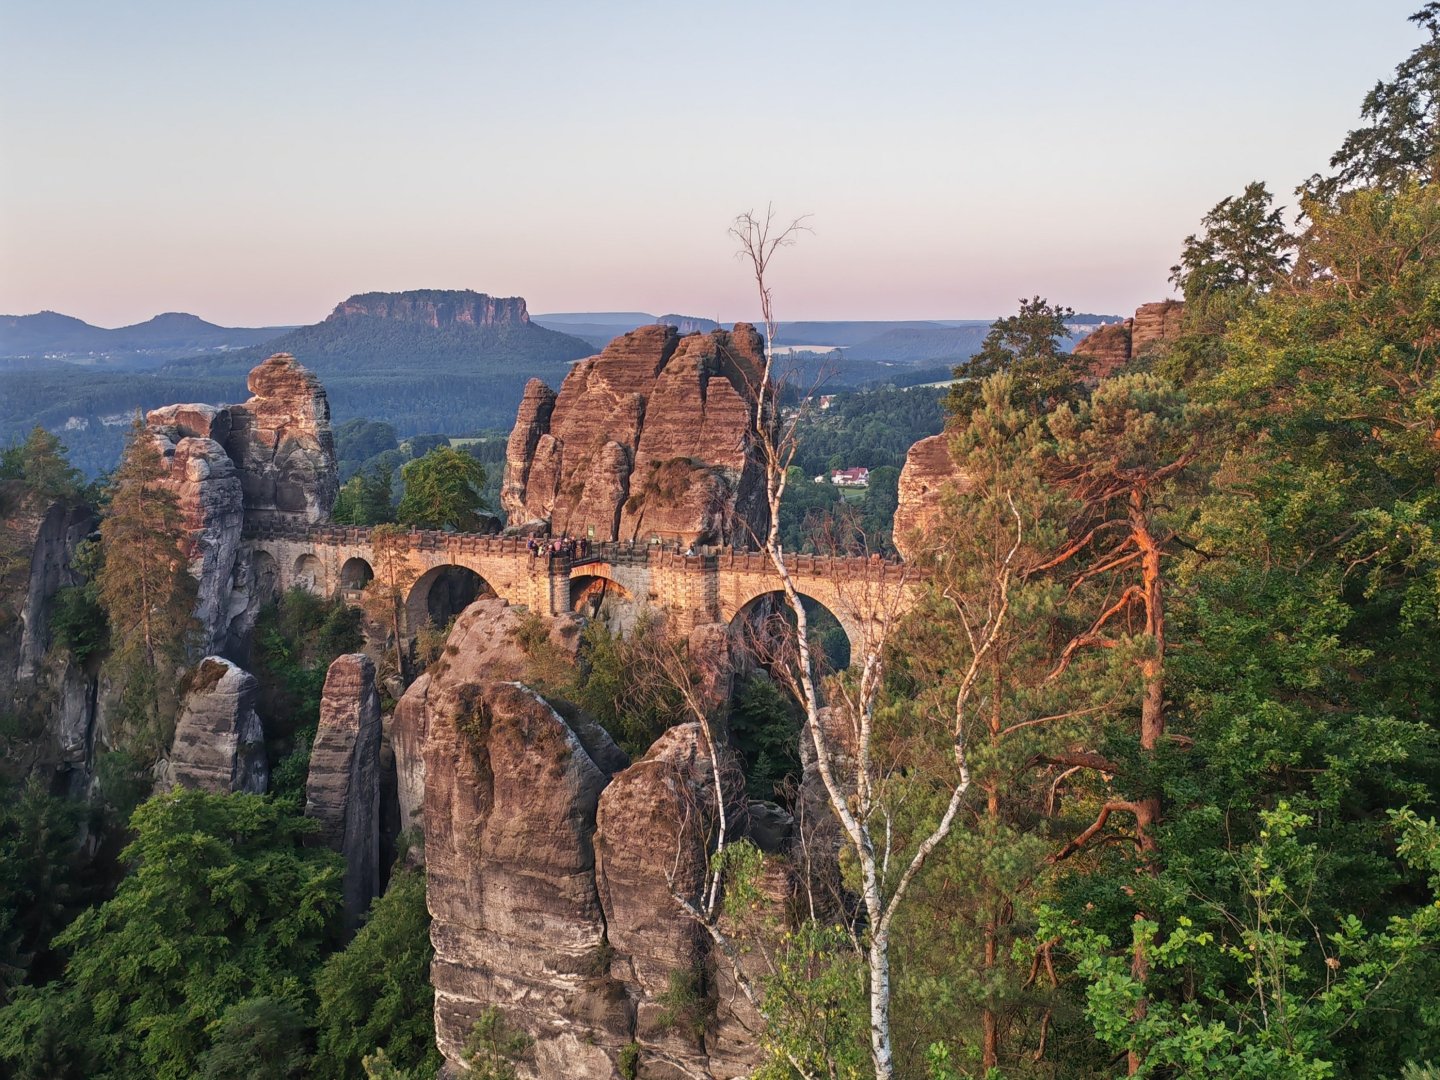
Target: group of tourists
[(560, 547)]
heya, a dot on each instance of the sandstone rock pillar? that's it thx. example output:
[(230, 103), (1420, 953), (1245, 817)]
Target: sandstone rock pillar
[(219, 744), (342, 791)]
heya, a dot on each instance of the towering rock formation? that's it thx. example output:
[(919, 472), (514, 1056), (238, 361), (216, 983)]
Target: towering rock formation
[(510, 797), (1159, 321), (653, 828), (219, 744), (271, 459), (206, 486), (483, 646), (342, 790), (550, 861), (1111, 347), (654, 437), (928, 470), (282, 445)]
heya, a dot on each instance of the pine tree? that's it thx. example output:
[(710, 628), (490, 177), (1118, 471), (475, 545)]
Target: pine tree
[(1028, 346), (145, 585)]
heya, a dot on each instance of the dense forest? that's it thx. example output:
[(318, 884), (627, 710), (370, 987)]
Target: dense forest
[(1145, 784)]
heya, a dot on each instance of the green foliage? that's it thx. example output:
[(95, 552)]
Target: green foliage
[(443, 491), (224, 902), (359, 440), (684, 1005), (494, 1047), (364, 499), (873, 428), (377, 993), (1398, 142), (765, 729), (262, 1038), (147, 592), (1243, 247), (78, 621), (620, 680), (815, 1006), (294, 642), (39, 877), (1305, 983), (41, 463), (628, 1062), (1028, 346)]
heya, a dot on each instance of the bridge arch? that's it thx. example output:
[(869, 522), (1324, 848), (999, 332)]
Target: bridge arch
[(264, 576), (356, 574), (766, 614), (599, 596), (441, 593), (308, 573)]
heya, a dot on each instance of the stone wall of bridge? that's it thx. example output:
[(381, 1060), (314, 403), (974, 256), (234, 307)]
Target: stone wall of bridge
[(691, 589)]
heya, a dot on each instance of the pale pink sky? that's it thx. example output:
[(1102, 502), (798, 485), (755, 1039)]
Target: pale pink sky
[(256, 163)]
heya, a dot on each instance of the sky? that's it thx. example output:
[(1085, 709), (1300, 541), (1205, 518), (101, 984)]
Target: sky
[(256, 162)]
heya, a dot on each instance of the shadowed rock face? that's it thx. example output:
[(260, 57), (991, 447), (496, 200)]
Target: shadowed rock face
[(282, 445), (655, 827), (510, 797), (653, 437), (219, 744), (342, 790)]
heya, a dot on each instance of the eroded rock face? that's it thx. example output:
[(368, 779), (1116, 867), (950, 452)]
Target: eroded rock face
[(1110, 348), (654, 437), (655, 827), (282, 445), (482, 647), (1159, 321), (510, 800), (1106, 350), (207, 488), (342, 790), (51, 535), (927, 472), (219, 744), (532, 422)]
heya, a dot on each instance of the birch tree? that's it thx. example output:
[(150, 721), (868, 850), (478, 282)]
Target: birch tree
[(854, 780)]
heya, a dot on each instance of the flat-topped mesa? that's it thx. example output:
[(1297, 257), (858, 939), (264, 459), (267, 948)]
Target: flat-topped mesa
[(436, 308), (282, 445), (655, 437), (1111, 347)]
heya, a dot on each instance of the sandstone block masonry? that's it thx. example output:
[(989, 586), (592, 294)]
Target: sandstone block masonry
[(654, 437)]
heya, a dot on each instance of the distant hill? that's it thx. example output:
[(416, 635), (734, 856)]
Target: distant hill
[(423, 360), (51, 335)]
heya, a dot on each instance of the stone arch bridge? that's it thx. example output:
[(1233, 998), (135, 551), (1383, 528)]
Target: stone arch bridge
[(692, 590)]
